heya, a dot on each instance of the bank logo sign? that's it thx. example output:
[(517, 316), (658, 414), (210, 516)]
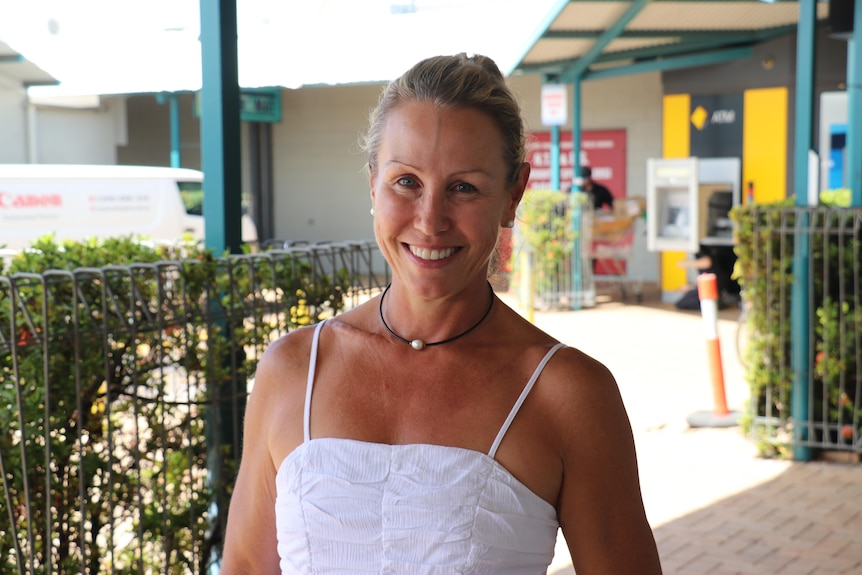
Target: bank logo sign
[(701, 117), (716, 126)]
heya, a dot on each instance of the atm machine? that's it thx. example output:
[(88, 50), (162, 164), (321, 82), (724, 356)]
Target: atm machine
[(833, 140), (688, 206)]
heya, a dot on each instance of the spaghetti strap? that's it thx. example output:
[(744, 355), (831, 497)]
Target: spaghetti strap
[(312, 365), (538, 371)]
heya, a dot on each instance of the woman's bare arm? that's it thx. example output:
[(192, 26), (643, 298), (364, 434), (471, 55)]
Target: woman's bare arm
[(600, 507), (274, 406)]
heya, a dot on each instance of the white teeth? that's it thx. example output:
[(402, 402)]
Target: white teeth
[(426, 254)]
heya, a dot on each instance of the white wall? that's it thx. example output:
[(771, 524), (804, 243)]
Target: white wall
[(320, 187), (80, 136), (149, 125), (13, 122)]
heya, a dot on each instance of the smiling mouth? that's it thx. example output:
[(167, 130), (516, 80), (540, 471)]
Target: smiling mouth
[(432, 255)]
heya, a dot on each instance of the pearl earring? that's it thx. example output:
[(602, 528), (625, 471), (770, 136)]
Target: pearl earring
[(509, 224), (372, 211)]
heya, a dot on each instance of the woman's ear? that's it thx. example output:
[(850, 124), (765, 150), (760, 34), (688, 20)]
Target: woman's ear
[(517, 189)]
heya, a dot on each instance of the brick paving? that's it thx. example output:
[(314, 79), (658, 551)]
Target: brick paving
[(716, 507)]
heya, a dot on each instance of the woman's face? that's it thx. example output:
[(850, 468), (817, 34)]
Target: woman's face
[(440, 196)]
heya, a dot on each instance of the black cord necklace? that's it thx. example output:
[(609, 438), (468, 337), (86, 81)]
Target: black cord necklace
[(418, 344)]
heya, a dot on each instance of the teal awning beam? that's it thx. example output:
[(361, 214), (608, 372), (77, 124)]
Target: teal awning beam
[(670, 51), (676, 63), (552, 14), (641, 56), (609, 35), (724, 36)]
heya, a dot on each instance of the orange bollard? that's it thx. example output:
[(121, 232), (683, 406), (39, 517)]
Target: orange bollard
[(707, 292)]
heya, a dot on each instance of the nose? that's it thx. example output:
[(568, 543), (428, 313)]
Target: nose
[(432, 213)]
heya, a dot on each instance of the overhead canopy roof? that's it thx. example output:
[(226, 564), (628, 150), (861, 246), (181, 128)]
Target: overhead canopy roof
[(14, 65), (592, 39), (150, 46)]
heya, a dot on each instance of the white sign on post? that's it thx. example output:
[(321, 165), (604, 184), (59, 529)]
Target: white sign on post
[(554, 105)]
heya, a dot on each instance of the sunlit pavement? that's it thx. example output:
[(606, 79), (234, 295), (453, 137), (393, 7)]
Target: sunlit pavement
[(715, 506)]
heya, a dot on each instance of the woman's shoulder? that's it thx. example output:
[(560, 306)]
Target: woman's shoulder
[(283, 365), (575, 383), (569, 371), (572, 361), (292, 346), (568, 364), (292, 352)]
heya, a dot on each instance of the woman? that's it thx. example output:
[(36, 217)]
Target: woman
[(433, 429)]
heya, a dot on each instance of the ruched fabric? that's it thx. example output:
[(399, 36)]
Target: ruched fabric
[(346, 506)]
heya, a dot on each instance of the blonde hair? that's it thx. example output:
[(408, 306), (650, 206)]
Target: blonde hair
[(454, 81)]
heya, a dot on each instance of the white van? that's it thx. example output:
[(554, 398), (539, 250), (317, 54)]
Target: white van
[(78, 201)]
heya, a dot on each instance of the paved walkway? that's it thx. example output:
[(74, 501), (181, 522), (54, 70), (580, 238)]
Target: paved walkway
[(716, 507)]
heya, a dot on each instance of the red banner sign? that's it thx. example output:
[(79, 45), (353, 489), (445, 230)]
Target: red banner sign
[(602, 150)]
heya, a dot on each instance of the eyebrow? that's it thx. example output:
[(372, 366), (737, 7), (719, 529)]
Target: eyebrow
[(458, 173)]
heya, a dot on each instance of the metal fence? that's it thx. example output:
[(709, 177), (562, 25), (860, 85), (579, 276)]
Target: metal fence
[(568, 255), (768, 237), (552, 267), (121, 397)]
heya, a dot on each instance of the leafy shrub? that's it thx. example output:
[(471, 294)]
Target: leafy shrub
[(765, 246), (547, 231), (123, 375)]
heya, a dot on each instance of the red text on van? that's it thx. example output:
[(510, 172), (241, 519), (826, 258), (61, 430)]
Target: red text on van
[(8, 200)]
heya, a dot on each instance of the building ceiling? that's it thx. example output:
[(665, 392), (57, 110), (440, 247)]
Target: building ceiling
[(588, 39)]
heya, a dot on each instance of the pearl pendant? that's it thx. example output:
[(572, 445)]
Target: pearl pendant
[(417, 344)]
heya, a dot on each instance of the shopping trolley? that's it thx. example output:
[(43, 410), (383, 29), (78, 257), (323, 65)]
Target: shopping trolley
[(610, 247)]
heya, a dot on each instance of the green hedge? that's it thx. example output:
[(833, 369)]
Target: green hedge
[(123, 369), (765, 245)]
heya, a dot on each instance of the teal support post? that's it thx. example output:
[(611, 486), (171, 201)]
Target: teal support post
[(220, 127), (576, 74), (174, 108), (800, 318), (577, 260), (554, 148), (854, 114), (555, 157), (579, 295), (174, 111), (220, 141), (576, 131)]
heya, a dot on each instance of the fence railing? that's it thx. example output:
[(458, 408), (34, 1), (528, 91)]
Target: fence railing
[(552, 267), (767, 239), (121, 397)]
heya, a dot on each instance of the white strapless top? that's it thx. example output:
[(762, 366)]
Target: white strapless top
[(347, 506)]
